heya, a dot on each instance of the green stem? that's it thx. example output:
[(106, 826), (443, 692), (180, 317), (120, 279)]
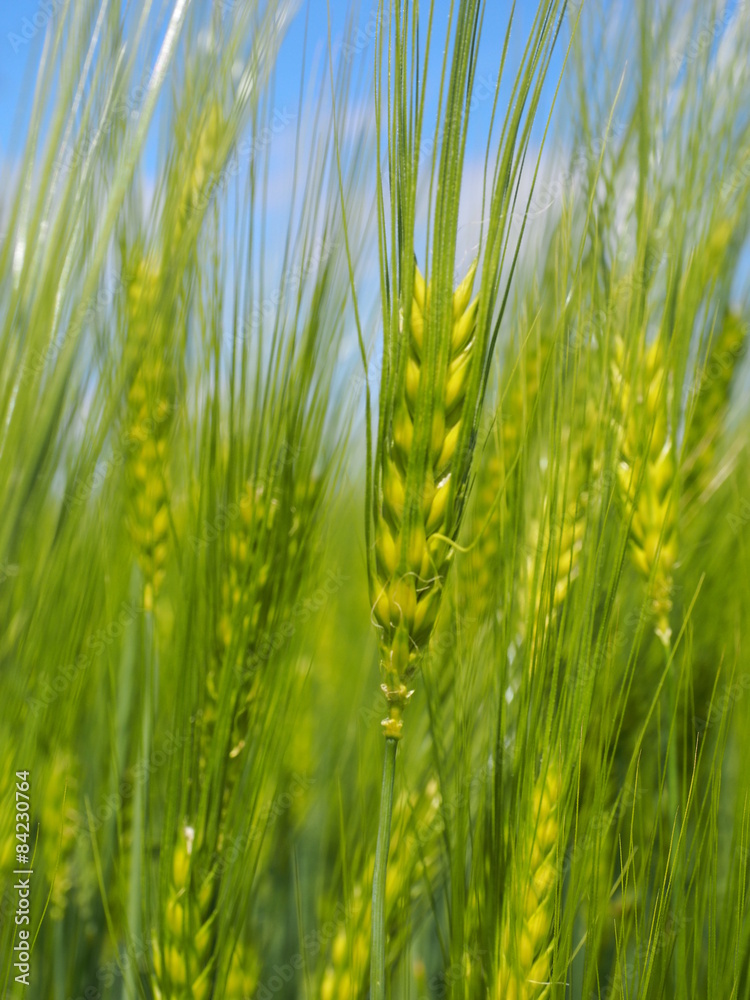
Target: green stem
[(672, 779), (675, 805), (377, 962), (140, 800)]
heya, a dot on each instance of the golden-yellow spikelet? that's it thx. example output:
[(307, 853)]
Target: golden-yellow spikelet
[(59, 831), (647, 472), (247, 601), (414, 855), (525, 939), (244, 973), (555, 539), (7, 816), (248, 562), (150, 405), (711, 396), (185, 957), (412, 553), (184, 961), (561, 540), (482, 565), (196, 186), (499, 471), (519, 396), (118, 895), (262, 530)]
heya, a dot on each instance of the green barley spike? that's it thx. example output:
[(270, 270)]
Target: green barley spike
[(246, 595), (522, 390), (482, 565), (58, 833), (492, 512), (647, 472), (412, 554), (245, 578), (712, 390), (197, 176), (414, 858), (244, 973), (525, 938), (150, 405), (263, 532), (561, 529), (247, 570), (184, 963)]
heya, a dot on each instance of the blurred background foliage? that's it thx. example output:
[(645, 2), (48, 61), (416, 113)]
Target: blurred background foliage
[(189, 669)]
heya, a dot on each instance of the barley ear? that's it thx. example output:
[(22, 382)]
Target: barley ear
[(413, 860), (710, 392), (415, 504), (184, 959), (259, 535), (60, 842), (520, 394), (244, 973), (555, 538), (482, 566), (525, 938), (195, 189), (647, 472), (150, 405)]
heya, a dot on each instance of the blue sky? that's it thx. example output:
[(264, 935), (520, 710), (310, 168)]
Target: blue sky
[(23, 23), (22, 28), (22, 34)]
